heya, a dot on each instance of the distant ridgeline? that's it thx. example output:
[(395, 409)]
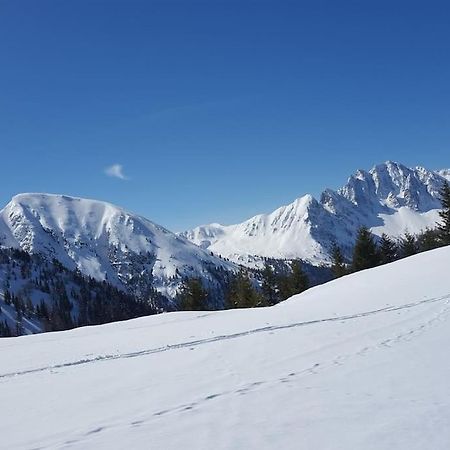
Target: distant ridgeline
[(390, 198), (68, 262), (38, 295)]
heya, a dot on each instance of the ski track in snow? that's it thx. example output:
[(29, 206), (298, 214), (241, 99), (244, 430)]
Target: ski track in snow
[(256, 385), (373, 376), (237, 335)]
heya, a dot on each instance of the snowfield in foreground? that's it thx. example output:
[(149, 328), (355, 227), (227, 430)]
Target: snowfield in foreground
[(358, 363)]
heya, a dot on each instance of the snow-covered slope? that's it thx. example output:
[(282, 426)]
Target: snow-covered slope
[(105, 242), (389, 198), (285, 233), (358, 363)]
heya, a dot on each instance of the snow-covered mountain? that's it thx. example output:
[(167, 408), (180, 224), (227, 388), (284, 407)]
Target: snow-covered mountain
[(106, 243), (389, 198), (358, 363)]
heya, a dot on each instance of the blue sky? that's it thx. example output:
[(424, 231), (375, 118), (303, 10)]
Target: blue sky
[(217, 110)]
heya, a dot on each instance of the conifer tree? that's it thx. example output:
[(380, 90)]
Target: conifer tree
[(388, 249), (428, 240), (269, 284), (242, 293), (408, 245), (294, 282), (5, 331), (338, 267), (365, 253), (193, 297), (299, 279), (444, 225)]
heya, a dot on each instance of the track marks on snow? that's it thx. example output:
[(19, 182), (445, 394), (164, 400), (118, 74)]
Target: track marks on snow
[(314, 369), (290, 379), (196, 343)]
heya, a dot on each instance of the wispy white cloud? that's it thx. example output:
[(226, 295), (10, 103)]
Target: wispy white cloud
[(116, 171)]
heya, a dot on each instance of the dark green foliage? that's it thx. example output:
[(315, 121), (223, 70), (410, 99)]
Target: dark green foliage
[(444, 225), (5, 331), (193, 297), (284, 287), (18, 304), (105, 303), (408, 245), (269, 287), (299, 279), (242, 293), (294, 282), (388, 249), (62, 289), (365, 254), (428, 240), (42, 310), (338, 267)]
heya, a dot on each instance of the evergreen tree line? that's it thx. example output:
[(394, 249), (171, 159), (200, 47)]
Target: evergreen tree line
[(247, 288), (5, 331), (68, 298), (370, 252)]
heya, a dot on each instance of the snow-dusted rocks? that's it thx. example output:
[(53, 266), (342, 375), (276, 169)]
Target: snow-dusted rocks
[(105, 242), (445, 173), (389, 198)]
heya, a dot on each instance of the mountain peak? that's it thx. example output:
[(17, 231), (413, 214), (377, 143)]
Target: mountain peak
[(105, 242), (307, 228)]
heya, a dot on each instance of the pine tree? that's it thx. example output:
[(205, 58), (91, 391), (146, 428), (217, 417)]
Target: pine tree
[(408, 245), (294, 282), (428, 240), (338, 267), (193, 297), (5, 331), (43, 310), (365, 254), (444, 225), (269, 284), (388, 249), (242, 293), (299, 279)]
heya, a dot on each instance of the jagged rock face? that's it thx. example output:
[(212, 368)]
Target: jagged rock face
[(389, 198), (106, 242), (393, 186)]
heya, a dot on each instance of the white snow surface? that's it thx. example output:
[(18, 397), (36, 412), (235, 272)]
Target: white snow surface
[(358, 363), (445, 173), (390, 198), (102, 240)]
